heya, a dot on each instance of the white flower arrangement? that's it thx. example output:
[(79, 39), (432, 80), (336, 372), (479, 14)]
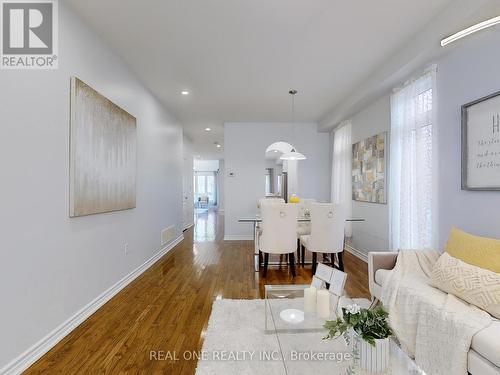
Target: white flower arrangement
[(353, 309)]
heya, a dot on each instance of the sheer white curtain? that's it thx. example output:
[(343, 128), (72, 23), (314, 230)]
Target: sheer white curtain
[(411, 164), (341, 170)]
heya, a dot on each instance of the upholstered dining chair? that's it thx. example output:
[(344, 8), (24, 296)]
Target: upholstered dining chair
[(303, 228), (263, 201), (327, 233), (279, 232)]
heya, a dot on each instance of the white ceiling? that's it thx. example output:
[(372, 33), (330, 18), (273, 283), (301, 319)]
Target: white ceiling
[(239, 58)]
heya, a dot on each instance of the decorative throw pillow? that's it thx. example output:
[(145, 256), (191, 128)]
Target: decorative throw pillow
[(475, 285), (478, 251)]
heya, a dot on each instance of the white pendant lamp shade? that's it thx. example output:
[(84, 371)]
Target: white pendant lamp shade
[(293, 155)]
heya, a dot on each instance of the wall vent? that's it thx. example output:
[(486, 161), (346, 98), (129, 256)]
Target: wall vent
[(167, 235)]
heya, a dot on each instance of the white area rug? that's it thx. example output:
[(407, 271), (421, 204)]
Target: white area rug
[(235, 343)]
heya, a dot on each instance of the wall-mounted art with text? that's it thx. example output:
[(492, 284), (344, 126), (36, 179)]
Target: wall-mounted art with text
[(368, 169), (481, 144), (103, 148)]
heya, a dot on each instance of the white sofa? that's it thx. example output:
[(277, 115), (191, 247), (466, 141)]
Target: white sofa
[(484, 354)]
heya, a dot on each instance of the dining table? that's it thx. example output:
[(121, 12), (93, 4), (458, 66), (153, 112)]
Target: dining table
[(257, 219)]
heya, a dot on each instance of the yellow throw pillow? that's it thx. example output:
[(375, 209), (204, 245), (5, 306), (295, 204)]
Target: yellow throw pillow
[(475, 285), (478, 251)]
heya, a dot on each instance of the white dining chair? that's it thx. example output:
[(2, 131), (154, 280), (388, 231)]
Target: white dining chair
[(327, 233), (279, 232), (304, 228), (263, 201)]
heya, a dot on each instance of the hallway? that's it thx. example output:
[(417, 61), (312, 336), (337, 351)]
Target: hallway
[(168, 306)]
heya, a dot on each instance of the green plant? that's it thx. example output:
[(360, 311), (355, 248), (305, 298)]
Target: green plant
[(368, 324)]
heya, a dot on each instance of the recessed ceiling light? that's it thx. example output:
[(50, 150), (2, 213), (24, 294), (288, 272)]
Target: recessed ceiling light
[(275, 150), (208, 129), (218, 145), (185, 92), (470, 30)]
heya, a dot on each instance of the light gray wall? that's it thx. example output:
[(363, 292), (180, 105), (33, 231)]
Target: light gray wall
[(187, 183), (50, 265), (373, 234), (470, 71), (245, 146), (221, 185)]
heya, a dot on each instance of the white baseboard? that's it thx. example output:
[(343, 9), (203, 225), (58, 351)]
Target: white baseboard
[(357, 253), (30, 356), (188, 226), (239, 237)]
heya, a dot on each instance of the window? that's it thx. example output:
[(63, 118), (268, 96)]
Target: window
[(201, 184), (268, 183), (342, 170), (205, 187), (411, 166), (210, 187)]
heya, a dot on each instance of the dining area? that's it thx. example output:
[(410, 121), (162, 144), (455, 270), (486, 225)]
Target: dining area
[(298, 233)]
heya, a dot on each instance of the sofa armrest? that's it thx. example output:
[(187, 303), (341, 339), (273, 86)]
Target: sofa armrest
[(379, 260)]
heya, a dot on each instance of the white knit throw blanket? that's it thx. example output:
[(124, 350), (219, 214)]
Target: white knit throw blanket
[(433, 327)]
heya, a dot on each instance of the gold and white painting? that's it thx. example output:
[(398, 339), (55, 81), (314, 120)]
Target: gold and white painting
[(368, 169), (103, 148)]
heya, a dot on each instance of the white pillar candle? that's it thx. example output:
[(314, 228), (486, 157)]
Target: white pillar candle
[(323, 303), (310, 299)]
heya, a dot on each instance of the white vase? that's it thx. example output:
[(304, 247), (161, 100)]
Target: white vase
[(374, 358)]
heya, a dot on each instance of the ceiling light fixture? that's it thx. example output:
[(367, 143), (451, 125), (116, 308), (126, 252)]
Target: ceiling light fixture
[(185, 92), (208, 129), (217, 144), (471, 30), (293, 154)]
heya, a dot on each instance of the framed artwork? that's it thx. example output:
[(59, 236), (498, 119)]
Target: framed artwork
[(103, 142), (323, 272), (369, 169), (318, 283), (481, 144), (337, 282)]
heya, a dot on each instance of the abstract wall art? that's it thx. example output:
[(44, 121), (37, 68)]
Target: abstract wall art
[(369, 169), (103, 142)]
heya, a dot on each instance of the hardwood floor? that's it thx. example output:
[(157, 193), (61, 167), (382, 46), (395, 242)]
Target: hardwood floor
[(167, 308)]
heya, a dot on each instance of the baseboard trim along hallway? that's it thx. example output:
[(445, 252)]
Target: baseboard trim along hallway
[(356, 253), (30, 356), (188, 226)]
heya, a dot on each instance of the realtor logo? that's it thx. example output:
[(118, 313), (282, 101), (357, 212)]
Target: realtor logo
[(29, 34)]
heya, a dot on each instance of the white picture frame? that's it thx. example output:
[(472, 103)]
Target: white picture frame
[(337, 282), (318, 283), (324, 272)]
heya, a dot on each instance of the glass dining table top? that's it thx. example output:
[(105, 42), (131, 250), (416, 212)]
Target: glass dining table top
[(258, 219)]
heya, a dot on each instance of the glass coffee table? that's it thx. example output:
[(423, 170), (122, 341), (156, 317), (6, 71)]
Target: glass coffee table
[(300, 338)]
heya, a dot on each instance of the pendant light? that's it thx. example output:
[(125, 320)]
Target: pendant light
[(293, 154)]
